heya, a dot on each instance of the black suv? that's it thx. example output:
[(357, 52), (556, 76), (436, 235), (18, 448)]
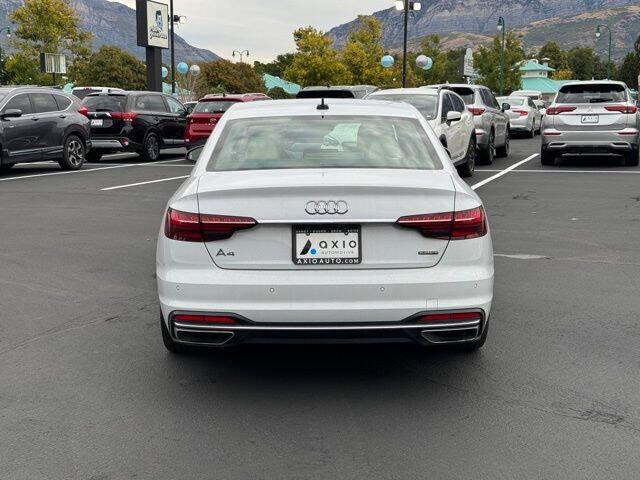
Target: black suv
[(142, 122), (38, 124)]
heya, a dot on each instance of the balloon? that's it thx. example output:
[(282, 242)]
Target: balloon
[(424, 62), (195, 70), (165, 72), (183, 68), (387, 61)]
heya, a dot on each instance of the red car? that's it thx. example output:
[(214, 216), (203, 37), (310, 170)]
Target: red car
[(207, 113)]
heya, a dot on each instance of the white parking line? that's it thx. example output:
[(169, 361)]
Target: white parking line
[(565, 171), (68, 172), (503, 172), (143, 183)]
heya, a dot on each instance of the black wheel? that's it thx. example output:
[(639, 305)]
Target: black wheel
[(73, 155), (150, 148), (476, 344), (532, 133), (547, 158), (6, 166), (631, 158), (169, 344), (469, 166), (487, 155), (94, 155), (503, 151)]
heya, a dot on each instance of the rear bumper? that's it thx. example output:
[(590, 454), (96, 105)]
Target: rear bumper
[(114, 144), (408, 331), (589, 141), (520, 124), (309, 301)]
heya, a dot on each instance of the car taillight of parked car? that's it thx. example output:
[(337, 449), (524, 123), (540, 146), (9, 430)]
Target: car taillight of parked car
[(461, 225), (522, 113), (127, 117), (194, 227), (559, 110), (629, 109), (83, 111), (476, 110)]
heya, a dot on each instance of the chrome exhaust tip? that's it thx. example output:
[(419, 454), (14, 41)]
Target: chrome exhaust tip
[(446, 335), (213, 338)]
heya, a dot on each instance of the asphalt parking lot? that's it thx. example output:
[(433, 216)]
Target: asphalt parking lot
[(87, 391)]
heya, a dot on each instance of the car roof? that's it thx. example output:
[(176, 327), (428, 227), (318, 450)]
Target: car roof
[(309, 107), (454, 85), (405, 91), (6, 89), (242, 97)]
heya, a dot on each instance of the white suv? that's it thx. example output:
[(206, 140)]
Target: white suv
[(447, 115)]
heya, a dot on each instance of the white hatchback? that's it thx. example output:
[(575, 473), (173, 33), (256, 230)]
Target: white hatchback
[(324, 221)]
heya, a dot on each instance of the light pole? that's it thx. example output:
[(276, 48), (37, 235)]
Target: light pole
[(173, 19), (502, 28), (406, 6), (598, 34), (241, 53)]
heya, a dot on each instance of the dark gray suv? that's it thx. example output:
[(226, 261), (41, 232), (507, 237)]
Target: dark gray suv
[(38, 124)]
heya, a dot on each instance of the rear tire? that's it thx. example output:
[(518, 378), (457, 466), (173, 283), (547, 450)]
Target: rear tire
[(487, 155), (150, 148), (631, 159), (169, 343), (94, 155), (73, 154), (547, 158), (469, 166), (532, 133), (503, 151)]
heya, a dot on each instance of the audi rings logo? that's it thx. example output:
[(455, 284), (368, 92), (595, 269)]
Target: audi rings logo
[(329, 207)]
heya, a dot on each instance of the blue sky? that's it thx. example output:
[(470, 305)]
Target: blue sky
[(263, 27)]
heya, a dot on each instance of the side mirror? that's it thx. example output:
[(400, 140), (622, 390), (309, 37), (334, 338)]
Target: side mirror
[(453, 116), (505, 107), (194, 154), (12, 113)]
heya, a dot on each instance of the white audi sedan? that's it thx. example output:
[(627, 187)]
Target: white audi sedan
[(324, 221)]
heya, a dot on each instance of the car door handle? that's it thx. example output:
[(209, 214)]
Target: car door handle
[(34, 119), (156, 118), (62, 116)]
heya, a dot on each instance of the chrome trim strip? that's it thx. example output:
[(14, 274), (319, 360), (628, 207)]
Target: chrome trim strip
[(312, 328)]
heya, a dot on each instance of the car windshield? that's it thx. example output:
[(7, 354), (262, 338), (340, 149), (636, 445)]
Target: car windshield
[(213, 106), (592, 93), (513, 101), (426, 104), (324, 142), (105, 103)]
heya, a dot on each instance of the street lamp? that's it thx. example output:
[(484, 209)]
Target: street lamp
[(240, 53), (406, 6), (502, 27), (173, 20), (598, 34)]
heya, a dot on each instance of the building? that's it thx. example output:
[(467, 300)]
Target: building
[(535, 76)]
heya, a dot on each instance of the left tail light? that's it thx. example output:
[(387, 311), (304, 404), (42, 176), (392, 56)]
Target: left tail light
[(83, 111), (194, 227), (461, 225)]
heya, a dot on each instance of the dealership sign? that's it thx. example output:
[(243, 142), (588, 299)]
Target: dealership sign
[(153, 24)]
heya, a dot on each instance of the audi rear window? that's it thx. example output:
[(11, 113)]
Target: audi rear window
[(105, 103), (592, 93), (324, 142), (213, 106)]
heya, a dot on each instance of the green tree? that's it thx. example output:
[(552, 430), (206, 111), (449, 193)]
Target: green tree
[(363, 51), (112, 67), (583, 62), (487, 63), (278, 93), (49, 26), (564, 74), (228, 77), (630, 67), (441, 69), (556, 55), (275, 68), (316, 62)]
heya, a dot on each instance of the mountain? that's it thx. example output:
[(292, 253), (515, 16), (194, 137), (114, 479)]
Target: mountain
[(115, 24), (481, 17)]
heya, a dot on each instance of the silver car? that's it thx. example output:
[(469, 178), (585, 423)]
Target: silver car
[(598, 117), (490, 119), (524, 116)]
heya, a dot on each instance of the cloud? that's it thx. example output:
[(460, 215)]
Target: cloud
[(264, 27)]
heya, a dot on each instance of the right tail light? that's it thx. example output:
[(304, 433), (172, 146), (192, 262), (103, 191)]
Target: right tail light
[(461, 225)]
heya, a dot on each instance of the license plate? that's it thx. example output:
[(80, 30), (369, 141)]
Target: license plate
[(327, 245), (97, 122), (590, 118)]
